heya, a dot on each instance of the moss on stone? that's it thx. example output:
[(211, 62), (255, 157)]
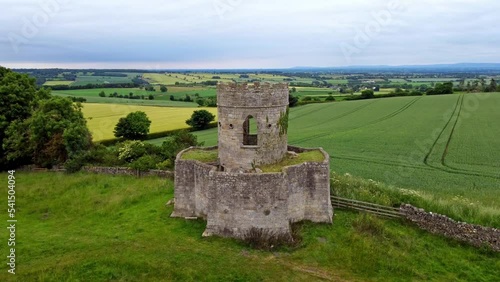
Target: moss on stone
[(288, 160)]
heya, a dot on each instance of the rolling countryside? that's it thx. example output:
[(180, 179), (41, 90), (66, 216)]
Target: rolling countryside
[(444, 145)]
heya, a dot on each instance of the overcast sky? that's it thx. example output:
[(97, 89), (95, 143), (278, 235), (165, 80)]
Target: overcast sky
[(246, 33)]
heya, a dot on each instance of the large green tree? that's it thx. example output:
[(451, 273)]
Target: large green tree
[(200, 119), (55, 132), (134, 126), (19, 96)]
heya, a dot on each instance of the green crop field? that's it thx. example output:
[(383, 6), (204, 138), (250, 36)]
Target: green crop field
[(57, 82), (102, 118), (87, 227), (446, 145)]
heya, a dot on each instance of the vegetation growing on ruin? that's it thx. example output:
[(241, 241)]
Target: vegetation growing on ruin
[(205, 156), (288, 160), (283, 121)]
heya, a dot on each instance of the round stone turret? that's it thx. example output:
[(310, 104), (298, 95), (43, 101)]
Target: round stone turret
[(253, 124)]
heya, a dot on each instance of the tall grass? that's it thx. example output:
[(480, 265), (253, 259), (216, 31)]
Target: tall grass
[(457, 207)]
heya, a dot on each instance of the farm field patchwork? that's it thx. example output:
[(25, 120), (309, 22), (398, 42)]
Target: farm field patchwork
[(176, 91), (193, 77), (102, 118), (401, 141), (89, 79)]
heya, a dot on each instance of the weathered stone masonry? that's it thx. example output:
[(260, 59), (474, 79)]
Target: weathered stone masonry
[(234, 197), (265, 103)]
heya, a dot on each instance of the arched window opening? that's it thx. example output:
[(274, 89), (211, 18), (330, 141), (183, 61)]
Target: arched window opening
[(250, 131)]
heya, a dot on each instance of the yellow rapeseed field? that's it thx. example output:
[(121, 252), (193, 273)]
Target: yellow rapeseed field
[(102, 118)]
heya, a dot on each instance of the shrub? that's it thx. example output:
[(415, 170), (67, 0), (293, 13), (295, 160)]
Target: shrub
[(178, 142), (165, 165), (367, 94), (292, 100), (131, 150), (74, 164), (330, 98), (264, 239), (144, 163)]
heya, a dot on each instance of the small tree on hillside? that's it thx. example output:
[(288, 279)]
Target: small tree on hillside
[(292, 100), (367, 94), (493, 85), (134, 126), (163, 88), (200, 119)]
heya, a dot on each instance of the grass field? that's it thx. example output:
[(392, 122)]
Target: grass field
[(102, 118), (87, 227), (57, 82), (445, 145)]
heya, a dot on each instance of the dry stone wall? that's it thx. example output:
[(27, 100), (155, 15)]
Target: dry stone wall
[(475, 235), (108, 170)]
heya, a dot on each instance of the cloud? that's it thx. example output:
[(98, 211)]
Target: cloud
[(266, 34)]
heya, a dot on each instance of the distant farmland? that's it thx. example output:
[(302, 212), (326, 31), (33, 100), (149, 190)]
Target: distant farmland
[(102, 118), (447, 145)]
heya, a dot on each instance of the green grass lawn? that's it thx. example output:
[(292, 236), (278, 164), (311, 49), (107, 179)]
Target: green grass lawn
[(444, 145), (87, 227)]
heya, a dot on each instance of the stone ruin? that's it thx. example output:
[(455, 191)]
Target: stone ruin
[(232, 194)]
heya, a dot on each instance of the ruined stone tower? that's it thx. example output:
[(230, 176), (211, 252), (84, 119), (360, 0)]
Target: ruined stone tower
[(238, 105), (230, 191)]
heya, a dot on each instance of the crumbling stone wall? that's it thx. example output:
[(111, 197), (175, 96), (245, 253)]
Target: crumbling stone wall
[(108, 170), (267, 104), (475, 235), (128, 171)]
